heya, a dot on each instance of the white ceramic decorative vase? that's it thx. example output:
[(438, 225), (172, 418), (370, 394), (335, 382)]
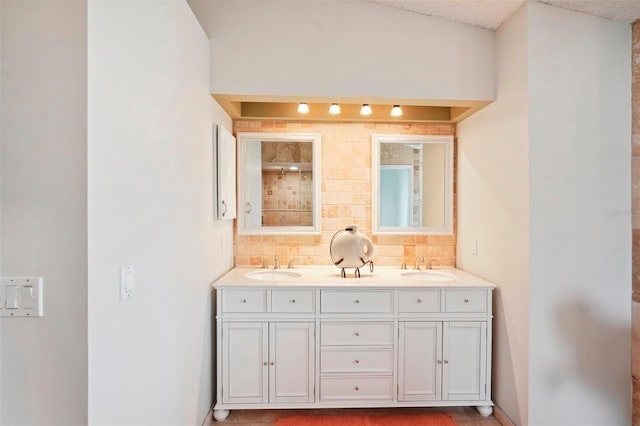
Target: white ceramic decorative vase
[(350, 248)]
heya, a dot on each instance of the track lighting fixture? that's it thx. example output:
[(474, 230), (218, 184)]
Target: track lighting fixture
[(303, 108), (396, 111), (365, 110)]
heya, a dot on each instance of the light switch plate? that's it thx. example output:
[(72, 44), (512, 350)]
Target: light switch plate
[(21, 297), (127, 281)]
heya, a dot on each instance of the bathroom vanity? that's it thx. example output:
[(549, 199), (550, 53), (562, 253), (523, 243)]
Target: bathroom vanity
[(307, 338)]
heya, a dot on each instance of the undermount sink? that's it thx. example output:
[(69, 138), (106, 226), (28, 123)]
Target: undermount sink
[(273, 275), (434, 276)]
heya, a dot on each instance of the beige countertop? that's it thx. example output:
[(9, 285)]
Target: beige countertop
[(329, 276)]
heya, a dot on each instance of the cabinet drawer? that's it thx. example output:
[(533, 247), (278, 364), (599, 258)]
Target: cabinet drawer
[(465, 300), (365, 301), (299, 301), (423, 300), (347, 360), (355, 387), (356, 333), (253, 300)]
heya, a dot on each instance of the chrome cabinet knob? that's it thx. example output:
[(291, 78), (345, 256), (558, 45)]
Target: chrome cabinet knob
[(466, 300), (357, 361), (264, 363), (356, 301), (439, 362), (446, 362), (293, 300), (273, 363), (357, 334), (243, 301), (356, 388), (419, 300)]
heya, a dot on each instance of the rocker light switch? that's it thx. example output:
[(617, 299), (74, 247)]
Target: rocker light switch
[(11, 297), (28, 297)]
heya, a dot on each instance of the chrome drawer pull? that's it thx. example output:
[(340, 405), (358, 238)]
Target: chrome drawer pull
[(356, 301), (243, 301), (293, 300), (419, 300), (357, 334), (356, 388), (466, 300), (357, 362)]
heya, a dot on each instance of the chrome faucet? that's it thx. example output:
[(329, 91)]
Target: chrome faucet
[(290, 264), (276, 260), (419, 260), (403, 265), (264, 263), (430, 263)]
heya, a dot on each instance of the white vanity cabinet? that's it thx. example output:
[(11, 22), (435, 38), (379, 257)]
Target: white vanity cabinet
[(267, 362), (328, 346), (442, 361)]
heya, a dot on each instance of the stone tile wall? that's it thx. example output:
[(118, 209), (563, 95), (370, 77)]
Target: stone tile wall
[(346, 198)]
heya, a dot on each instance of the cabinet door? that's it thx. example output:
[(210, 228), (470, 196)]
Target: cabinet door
[(419, 361), (252, 174), (226, 174), (244, 362), (292, 362), (464, 357)]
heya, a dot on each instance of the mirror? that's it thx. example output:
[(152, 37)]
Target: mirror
[(278, 183), (412, 185)]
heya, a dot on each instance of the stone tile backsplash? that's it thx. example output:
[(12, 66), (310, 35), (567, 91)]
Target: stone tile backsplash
[(346, 198)]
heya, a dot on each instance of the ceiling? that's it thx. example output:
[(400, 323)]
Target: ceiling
[(491, 14)]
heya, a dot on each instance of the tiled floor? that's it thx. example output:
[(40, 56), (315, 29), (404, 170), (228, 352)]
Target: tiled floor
[(464, 416)]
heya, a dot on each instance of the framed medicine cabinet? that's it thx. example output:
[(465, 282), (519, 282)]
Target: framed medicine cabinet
[(224, 172), (412, 185), (279, 183)]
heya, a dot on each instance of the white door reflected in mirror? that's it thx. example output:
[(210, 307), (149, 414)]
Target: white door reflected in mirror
[(396, 195), (412, 184)]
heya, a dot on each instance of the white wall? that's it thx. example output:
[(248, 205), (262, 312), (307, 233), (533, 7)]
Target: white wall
[(493, 207), (343, 48), (1, 109), (150, 205), (43, 370), (580, 156)]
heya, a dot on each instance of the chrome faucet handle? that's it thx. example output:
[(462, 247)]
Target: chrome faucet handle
[(430, 264), (290, 264), (264, 263), (419, 260), (403, 265), (276, 262)]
